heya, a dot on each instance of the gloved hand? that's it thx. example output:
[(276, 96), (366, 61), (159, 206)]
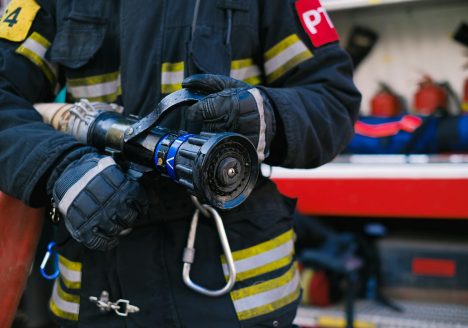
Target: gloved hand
[(96, 199), (232, 106)]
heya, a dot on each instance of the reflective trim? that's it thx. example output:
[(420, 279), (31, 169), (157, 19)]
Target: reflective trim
[(172, 75), (261, 116), (263, 247), (35, 48), (70, 273), (64, 305), (78, 186), (264, 262), (285, 55), (245, 70), (104, 88), (268, 296)]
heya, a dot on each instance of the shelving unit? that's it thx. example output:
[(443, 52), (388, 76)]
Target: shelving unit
[(352, 4)]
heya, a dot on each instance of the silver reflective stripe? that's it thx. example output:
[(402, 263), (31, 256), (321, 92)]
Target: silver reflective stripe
[(95, 90), (62, 304), (70, 275), (262, 259), (36, 47), (268, 297), (245, 73), (75, 189), (284, 56), (261, 134), (172, 77)]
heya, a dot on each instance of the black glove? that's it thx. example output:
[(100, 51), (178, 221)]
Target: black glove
[(232, 106), (96, 199)]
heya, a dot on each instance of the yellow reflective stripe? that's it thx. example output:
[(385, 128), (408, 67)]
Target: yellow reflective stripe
[(60, 313), (40, 39), (261, 248), (95, 79), (245, 70), (63, 304), (254, 80), (66, 296), (290, 64), (264, 268), (35, 48), (71, 284), (268, 308), (241, 63), (168, 88), (173, 67), (75, 266), (70, 272), (266, 297), (172, 75), (286, 54), (265, 286), (281, 46), (104, 87)]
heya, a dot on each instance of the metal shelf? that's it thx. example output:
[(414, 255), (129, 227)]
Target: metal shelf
[(333, 5)]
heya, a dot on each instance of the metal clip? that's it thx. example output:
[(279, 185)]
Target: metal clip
[(122, 307), (46, 259), (189, 252)]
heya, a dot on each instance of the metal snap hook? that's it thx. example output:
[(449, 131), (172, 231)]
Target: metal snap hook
[(47, 256), (189, 252)]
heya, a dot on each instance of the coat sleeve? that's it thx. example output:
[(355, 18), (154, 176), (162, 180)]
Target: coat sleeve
[(311, 88), (28, 147)]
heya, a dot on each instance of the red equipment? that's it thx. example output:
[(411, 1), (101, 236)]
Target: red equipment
[(429, 97), (20, 228), (385, 103)]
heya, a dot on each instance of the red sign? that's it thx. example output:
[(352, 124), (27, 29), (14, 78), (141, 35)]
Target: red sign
[(316, 22)]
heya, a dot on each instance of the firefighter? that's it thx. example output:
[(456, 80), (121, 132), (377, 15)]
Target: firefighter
[(275, 73)]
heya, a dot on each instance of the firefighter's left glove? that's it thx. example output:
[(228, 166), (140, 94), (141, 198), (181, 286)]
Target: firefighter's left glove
[(96, 199), (233, 106)]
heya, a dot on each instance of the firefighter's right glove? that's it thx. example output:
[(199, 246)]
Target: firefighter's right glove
[(96, 199)]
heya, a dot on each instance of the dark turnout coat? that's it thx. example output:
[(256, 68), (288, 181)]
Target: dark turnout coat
[(134, 53)]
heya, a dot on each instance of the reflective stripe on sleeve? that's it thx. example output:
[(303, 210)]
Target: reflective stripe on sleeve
[(245, 70), (104, 88), (34, 48), (263, 258), (285, 55), (172, 75), (64, 305), (262, 131), (268, 296), (70, 273)]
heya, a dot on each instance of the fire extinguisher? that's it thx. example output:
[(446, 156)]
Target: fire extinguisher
[(385, 102), (429, 97)]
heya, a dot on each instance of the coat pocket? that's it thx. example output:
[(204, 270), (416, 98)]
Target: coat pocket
[(78, 39)]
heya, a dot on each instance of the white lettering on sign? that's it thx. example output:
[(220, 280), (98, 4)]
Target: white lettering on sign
[(313, 17)]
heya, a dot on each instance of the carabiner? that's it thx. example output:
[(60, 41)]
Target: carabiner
[(189, 255), (47, 256)]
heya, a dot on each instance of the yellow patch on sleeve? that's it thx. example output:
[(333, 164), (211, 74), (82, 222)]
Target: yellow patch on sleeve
[(17, 19)]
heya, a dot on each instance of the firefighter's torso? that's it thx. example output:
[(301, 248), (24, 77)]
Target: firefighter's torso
[(135, 53)]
